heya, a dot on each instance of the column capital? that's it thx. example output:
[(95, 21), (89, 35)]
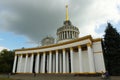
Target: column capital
[(32, 53), (63, 49), (79, 46), (16, 54), (38, 53), (26, 54), (71, 48), (89, 44), (56, 51), (19, 54), (50, 52)]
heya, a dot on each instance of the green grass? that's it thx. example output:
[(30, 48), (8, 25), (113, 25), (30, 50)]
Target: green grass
[(6, 79)]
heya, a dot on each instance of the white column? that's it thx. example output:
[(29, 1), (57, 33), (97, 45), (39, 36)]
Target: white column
[(64, 65), (50, 62), (71, 55), (62, 35), (67, 34), (60, 60), (67, 62), (53, 63), (58, 37), (37, 63), (80, 59), (20, 64), (76, 34), (72, 34), (56, 61), (90, 56), (26, 58), (43, 63), (47, 63), (14, 65), (31, 63)]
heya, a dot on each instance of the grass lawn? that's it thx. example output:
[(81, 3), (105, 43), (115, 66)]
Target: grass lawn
[(6, 79)]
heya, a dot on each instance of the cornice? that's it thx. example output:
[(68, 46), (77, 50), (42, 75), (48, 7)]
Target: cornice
[(62, 43), (97, 40)]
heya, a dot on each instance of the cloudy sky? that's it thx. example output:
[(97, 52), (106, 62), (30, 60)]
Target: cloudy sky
[(23, 23)]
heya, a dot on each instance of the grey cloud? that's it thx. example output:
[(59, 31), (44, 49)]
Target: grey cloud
[(36, 21), (38, 18)]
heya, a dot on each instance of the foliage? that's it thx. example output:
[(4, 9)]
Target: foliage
[(112, 50), (6, 61)]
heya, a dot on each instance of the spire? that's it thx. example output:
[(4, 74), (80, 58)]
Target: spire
[(67, 17)]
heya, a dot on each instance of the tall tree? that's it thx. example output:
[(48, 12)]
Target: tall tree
[(112, 50), (6, 61)]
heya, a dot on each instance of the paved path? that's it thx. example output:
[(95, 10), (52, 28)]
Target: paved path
[(57, 77)]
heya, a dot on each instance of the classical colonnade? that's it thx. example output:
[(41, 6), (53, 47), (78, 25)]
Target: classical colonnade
[(56, 61), (67, 35)]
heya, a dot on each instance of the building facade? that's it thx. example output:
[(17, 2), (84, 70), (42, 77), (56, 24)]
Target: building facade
[(70, 54)]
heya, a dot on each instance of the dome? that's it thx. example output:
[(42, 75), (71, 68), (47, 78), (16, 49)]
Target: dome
[(47, 41), (67, 32)]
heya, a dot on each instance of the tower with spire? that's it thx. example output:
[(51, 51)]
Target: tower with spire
[(67, 31)]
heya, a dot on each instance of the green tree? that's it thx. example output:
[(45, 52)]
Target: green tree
[(6, 61), (112, 50)]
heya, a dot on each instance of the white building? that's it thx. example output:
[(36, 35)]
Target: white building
[(70, 54)]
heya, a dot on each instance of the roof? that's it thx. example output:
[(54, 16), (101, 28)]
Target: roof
[(62, 43)]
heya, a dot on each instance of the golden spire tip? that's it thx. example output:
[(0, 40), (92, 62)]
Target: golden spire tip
[(67, 17)]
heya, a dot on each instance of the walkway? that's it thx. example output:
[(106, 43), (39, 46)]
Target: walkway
[(57, 77)]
